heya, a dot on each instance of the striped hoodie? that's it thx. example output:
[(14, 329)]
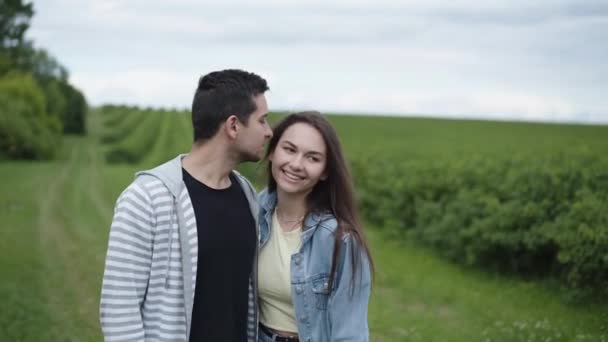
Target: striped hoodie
[(150, 272)]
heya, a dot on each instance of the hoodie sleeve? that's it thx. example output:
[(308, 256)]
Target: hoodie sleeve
[(127, 267), (347, 306)]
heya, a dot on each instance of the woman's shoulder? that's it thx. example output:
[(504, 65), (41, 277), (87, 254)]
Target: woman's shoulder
[(325, 221), (328, 223)]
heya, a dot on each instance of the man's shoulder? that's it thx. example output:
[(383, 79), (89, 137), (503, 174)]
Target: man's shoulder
[(145, 188), (240, 176)]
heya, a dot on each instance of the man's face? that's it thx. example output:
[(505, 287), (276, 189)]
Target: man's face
[(252, 137)]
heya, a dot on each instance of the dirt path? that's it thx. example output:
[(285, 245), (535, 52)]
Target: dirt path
[(71, 214), (62, 280)]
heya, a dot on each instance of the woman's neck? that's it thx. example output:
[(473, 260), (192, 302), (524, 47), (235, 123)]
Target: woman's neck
[(291, 207)]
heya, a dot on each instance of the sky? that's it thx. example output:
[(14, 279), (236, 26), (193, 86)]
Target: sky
[(544, 60)]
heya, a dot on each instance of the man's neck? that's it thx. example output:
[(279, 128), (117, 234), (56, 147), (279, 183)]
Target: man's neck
[(210, 163)]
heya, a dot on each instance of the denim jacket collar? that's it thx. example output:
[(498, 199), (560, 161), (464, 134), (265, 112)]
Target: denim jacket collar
[(268, 201)]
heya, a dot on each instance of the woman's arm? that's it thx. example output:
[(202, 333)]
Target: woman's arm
[(347, 306)]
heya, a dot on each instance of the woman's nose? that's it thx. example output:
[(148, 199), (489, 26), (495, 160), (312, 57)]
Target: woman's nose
[(296, 162)]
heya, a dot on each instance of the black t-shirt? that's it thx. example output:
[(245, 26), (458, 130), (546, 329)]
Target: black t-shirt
[(226, 247)]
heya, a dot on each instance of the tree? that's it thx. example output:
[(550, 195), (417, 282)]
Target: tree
[(33, 74), (27, 131), (15, 18), (75, 109), (40, 63)]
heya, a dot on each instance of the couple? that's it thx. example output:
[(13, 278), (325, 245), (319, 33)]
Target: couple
[(196, 255)]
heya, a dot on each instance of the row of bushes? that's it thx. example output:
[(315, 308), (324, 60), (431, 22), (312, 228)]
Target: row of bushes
[(143, 136), (535, 217), (149, 137), (118, 125)]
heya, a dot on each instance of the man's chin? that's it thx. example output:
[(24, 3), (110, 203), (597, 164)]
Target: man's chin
[(250, 158)]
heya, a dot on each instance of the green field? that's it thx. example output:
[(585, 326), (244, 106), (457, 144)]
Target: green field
[(56, 217), (423, 138)]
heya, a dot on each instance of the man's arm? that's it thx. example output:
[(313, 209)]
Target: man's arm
[(127, 268)]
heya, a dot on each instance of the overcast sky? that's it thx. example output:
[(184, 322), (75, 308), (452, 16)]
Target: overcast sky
[(541, 60)]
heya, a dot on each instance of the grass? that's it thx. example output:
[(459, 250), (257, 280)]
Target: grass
[(426, 138), (55, 220), (418, 296), (24, 315)]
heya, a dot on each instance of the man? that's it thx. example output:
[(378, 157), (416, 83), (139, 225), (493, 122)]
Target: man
[(183, 242)]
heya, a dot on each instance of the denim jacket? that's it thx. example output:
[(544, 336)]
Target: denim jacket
[(323, 314)]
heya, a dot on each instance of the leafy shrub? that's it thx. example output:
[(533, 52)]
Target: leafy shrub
[(27, 131), (532, 216)]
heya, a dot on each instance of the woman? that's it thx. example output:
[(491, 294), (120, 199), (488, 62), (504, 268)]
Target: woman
[(314, 264)]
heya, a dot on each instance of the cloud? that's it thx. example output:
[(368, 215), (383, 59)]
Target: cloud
[(543, 60), (496, 105), (141, 87)]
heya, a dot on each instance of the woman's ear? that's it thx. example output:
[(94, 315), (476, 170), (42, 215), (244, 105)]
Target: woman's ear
[(324, 175)]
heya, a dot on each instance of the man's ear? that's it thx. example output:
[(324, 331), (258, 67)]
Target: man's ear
[(231, 126)]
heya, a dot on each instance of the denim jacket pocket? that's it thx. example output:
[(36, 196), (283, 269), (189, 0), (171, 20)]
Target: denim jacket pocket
[(320, 287)]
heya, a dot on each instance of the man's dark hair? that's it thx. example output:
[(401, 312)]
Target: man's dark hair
[(223, 93)]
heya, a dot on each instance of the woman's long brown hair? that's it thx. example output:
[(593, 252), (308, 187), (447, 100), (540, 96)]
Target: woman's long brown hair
[(333, 195)]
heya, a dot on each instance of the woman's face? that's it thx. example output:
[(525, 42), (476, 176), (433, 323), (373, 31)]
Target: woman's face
[(299, 160)]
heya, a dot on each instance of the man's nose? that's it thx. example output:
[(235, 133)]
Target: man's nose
[(268, 132)]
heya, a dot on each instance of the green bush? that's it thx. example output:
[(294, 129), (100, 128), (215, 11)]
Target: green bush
[(531, 216), (74, 115), (66, 103), (27, 131)]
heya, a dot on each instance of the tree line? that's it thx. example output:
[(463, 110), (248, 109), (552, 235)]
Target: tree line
[(37, 103)]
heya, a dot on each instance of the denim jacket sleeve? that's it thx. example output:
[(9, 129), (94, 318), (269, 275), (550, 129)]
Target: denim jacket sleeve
[(347, 307)]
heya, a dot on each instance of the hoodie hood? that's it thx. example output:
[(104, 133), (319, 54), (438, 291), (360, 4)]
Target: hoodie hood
[(170, 173)]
